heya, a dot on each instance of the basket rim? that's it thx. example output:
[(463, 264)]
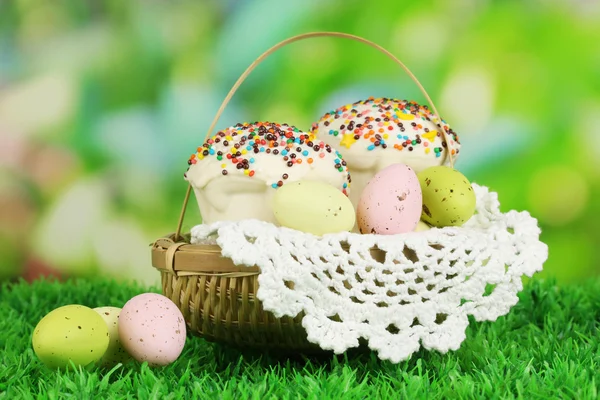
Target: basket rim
[(181, 257)]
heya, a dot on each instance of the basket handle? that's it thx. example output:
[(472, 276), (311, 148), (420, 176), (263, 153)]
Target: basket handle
[(295, 39)]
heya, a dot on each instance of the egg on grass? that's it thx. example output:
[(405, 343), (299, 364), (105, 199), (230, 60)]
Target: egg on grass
[(152, 329), (70, 334), (115, 353)]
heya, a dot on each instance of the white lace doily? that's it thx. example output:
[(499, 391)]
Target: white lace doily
[(421, 294)]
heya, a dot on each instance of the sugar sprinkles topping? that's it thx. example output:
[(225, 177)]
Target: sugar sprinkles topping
[(237, 146), (377, 123)]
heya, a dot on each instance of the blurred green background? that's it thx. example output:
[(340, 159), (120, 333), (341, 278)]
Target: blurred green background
[(102, 102)]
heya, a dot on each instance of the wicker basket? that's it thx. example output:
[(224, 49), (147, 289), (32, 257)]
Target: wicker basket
[(217, 297)]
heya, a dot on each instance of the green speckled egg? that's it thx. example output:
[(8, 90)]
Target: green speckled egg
[(115, 353), (448, 197), (74, 332), (313, 207)]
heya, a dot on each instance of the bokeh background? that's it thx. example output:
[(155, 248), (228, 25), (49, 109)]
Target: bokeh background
[(102, 102)]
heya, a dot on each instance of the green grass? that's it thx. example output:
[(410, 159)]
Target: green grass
[(547, 347)]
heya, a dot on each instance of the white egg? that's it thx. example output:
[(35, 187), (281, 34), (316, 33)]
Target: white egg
[(115, 353)]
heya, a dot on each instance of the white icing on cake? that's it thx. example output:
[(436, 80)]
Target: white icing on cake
[(375, 133), (235, 173)]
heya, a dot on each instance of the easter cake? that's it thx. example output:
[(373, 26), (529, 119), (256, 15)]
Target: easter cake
[(236, 172), (377, 132)]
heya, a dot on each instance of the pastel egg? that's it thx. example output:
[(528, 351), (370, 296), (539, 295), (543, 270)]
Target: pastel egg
[(391, 202), (313, 207), (448, 197), (422, 226), (115, 353), (152, 329), (72, 333)]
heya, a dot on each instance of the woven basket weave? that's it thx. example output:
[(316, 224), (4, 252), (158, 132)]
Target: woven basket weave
[(217, 297)]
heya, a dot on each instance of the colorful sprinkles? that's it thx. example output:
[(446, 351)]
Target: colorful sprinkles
[(238, 146), (379, 123)]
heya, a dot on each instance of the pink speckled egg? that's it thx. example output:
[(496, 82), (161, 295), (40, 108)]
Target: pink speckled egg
[(152, 329), (391, 202)]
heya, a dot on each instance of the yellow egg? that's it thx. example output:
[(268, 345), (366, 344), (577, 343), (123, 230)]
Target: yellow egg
[(422, 226), (70, 333), (115, 353), (313, 207)]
